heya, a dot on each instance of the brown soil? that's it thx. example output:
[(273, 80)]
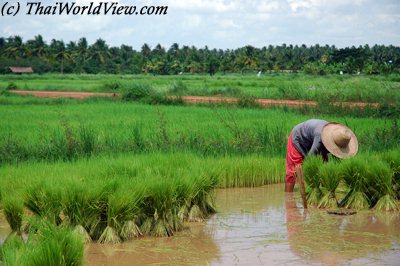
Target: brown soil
[(191, 99)]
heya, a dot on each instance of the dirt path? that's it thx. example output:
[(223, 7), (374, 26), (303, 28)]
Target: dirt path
[(190, 99)]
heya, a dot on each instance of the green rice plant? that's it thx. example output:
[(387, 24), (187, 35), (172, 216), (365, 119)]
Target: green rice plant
[(387, 203), (76, 207), (311, 168), (135, 195), (356, 178), (123, 206), (342, 191), (13, 211), (202, 203), (44, 199), (48, 245), (8, 250), (357, 200), (393, 159), (330, 177), (110, 236), (158, 206), (247, 171), (87, 140), (55, 246), (100, 214), (380, 189), (185, 190)]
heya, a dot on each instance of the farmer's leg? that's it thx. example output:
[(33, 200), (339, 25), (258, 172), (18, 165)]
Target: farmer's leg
[(293, 158)]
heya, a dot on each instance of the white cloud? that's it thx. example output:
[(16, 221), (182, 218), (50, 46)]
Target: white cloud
[(226, 23), (190, 21), (268, 6), (218, 6)]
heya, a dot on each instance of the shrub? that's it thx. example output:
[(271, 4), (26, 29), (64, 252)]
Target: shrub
[(138, 91)]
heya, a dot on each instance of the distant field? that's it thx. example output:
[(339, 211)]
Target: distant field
[(59, 129), (275, 86)]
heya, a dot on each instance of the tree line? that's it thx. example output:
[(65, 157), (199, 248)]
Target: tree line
[(82, 57)]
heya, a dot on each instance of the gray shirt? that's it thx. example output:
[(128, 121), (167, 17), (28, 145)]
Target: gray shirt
[(306, 137)]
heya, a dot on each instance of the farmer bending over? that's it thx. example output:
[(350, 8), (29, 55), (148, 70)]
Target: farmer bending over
[(317, 137)]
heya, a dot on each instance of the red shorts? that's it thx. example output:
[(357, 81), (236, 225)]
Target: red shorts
[(293, 158)]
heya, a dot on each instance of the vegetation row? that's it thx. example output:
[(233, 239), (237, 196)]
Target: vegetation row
[(69, 132), (80, 57), (363, 182), (331, 88)]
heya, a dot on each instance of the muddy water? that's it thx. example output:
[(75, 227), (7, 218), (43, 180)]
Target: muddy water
[(263, 226)]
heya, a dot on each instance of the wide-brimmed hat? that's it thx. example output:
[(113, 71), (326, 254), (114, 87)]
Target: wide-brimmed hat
[(339, 140)]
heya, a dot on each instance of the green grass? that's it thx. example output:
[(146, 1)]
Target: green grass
[(84, 129), (275, 86)]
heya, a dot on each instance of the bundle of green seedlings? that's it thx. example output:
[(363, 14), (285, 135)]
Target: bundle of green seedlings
[(355, 175), (13, 209), (380, 190), (362, 182), (112, 200), (393, 159), (311, 175), (46, 245)]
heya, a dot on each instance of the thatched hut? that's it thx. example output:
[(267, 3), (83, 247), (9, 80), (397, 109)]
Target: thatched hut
[(21, 70)]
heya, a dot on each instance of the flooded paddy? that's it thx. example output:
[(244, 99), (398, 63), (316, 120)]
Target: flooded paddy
[(262, 226)]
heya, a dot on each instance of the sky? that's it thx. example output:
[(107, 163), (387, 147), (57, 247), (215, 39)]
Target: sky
[(222, 24)]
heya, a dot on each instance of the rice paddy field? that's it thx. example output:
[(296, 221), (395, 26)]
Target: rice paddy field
[(384, 89), (110, 173)]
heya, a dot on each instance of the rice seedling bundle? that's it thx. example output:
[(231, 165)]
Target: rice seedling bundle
[(44, 199), (158, 206), (8, 251), (48, 245), (330, 177), (77, 209), (13, 211), (97, 217), (122, 209), (185, 189), (380, 187), (311, 175), (355, 176), (135, 196), (393, 159)]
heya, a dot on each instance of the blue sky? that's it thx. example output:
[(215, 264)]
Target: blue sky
[(225, 23)]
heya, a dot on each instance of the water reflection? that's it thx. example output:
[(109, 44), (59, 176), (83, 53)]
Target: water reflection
[(317, 236)]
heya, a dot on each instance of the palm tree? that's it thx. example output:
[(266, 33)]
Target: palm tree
[(99, 51), (37, 46), (15, 47), (62, 56)]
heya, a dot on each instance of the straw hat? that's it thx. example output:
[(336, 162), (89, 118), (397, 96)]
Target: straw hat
[(339, 140)]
